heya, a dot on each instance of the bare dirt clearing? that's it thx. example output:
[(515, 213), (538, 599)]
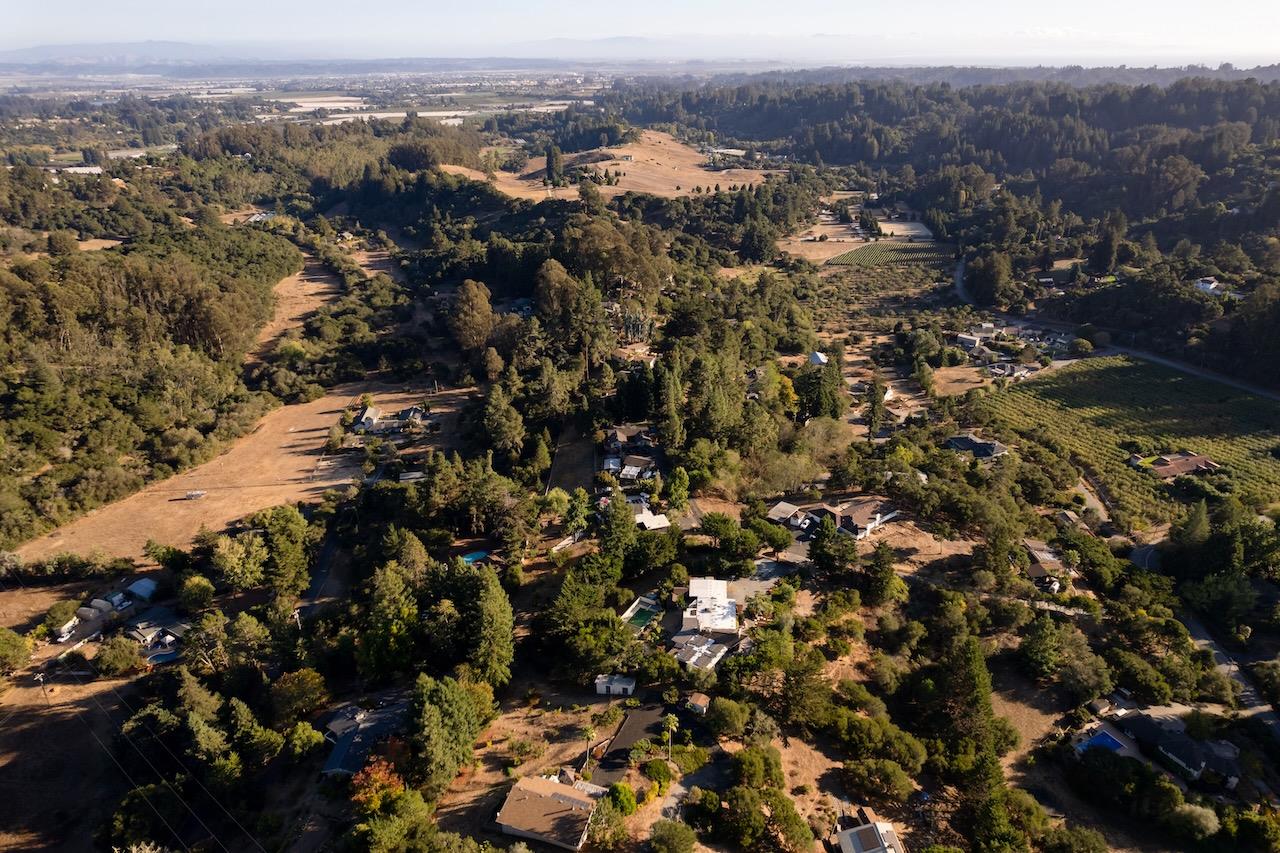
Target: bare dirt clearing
[(56, 800), (840, 239), (950, 381), (296, 297), (281, 461), (659, 164), (23, 607), (918, 550), (553, 721), (96, 244), (378, 261)]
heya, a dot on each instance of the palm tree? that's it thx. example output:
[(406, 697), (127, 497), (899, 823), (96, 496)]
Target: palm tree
[(669, 724)]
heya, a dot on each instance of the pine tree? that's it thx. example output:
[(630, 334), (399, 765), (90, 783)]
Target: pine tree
[(492, 649)]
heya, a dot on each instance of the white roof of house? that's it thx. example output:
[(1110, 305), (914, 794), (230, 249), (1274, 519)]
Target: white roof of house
[(712, 614), (652, 521), (781, 511), (615, 680), (816, 357), (876, 837), (708, 588)]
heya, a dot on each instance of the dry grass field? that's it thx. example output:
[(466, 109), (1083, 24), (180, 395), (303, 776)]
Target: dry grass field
[(96, 244), (281, 461), (819, 251), (55, 796), (296, 297), (950, 381), (660, 165)]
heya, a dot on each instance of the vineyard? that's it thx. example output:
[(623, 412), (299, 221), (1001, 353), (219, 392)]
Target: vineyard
[(1094, 406), (886, 253)]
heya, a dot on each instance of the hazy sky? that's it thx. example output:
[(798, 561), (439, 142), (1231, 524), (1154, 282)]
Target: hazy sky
[(855, 31)]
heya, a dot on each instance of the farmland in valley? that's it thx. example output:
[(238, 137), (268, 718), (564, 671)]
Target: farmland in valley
[(1092, 407), (888, 253)]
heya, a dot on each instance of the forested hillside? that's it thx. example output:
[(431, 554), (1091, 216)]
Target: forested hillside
[(124, 365), (1164, 184)]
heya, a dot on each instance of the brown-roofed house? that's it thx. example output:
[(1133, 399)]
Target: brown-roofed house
[(1172, 465), (1043, 562), (548, 811)]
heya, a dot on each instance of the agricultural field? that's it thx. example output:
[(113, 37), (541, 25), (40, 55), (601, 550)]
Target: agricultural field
[(890, 253), (1094, 406)]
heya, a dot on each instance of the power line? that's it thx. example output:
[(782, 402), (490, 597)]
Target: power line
[(194, 777), (133, 784), (155, 769)]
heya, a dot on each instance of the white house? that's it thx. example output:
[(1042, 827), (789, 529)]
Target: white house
[(818, 359), (785, 513), (1209, 285), (712, 611), (615, 685), (871, 836), (367, 419)]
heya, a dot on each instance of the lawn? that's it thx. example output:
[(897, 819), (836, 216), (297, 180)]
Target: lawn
[(886, 253), (1093, 406)]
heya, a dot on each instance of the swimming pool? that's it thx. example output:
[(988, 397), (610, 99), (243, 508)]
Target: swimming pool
[(475, 557), (1102, 740)]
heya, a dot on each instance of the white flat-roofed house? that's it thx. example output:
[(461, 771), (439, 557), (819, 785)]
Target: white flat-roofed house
[(615, 685), (711, 610)]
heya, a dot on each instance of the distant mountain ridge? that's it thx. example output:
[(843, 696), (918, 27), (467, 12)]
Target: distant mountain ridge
[(118, 53)]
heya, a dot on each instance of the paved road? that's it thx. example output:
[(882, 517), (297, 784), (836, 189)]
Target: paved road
[(1163, 361), (1251, 702)]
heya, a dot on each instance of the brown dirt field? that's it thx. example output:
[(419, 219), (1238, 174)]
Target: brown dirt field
[(950, 381), (378, 261), (713, 504), (817, 251), (281, 461), (97, 243), (750, 272), (23, 607), (296, 297), (58, 801), (840, 239), (660, 164), (917, 549), (1023, 704), (808, 768)]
